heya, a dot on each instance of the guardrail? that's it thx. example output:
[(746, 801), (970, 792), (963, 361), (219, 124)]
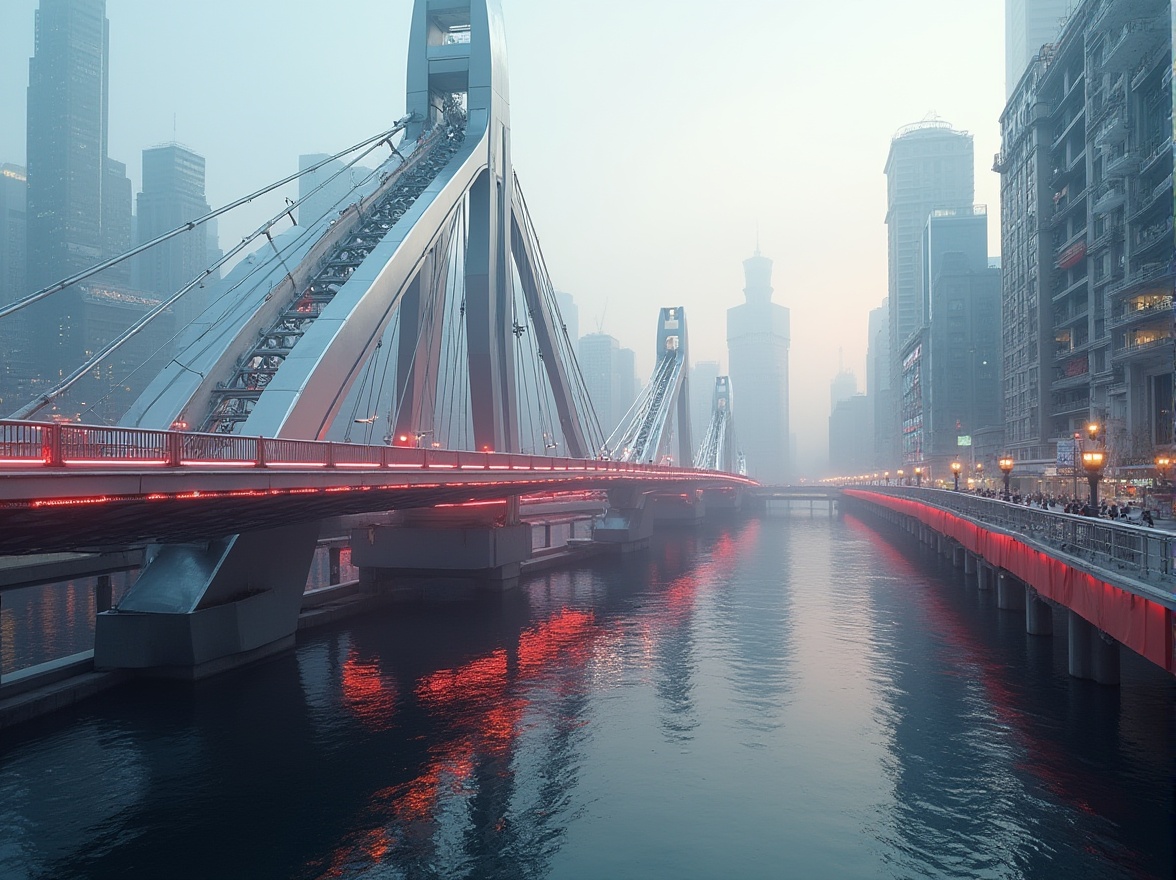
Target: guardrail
[(1141, 553), (57, 446)]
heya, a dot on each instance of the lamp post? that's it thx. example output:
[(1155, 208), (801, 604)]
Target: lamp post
[(918, 476), (980, 474), (886, 474), (1163, 465), (900, 480), (1006, 468), (1092, 462), (956, 467)]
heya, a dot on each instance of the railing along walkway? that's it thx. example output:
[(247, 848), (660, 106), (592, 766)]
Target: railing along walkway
[(1144, 554)]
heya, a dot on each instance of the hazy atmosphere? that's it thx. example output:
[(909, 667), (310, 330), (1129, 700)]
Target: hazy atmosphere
[(652, 138)]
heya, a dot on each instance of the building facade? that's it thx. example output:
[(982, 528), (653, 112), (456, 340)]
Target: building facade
[(173, 194), (930, 166), (881, 406), (14, 365), (849, 447), (758, 338), (610, 376), (1029, 25), (1086, 217)]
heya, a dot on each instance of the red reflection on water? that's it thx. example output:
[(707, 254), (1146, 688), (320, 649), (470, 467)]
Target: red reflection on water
[(478, 679), (367, 694)]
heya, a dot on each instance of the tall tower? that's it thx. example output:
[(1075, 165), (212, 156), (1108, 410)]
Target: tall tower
[(67, 113), (930, 166), (757, 352), (1030, 24), (173, 194)]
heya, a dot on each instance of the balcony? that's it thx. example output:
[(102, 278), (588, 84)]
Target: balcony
[(1152, 343), (1064, 203), (1068, 315), (1160, 194), (1072, 374), (1064, 172), (1148, 67), (1142, 309), (1111, 232), (1149, 240), (1071, 406), (1148, 273), (1126, 49), (1160, 153), (1110, 197), (1063, 289), (1113, 131), (1123, 164)]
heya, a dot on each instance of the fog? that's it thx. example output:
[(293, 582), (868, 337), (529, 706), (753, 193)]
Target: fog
[(653, 138)]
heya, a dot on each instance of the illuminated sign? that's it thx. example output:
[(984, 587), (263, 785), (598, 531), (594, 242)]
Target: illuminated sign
[(964, 440)]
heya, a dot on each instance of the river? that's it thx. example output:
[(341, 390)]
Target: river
[(794, 696)]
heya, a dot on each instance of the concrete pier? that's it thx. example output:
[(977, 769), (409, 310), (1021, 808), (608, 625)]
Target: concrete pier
[(1010, 592), (958, 555), (970, 561), (985, 575), (1093, 654), (1038, 614), (627, 525)]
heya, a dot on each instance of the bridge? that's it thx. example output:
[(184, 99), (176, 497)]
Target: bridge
[(1117, 582), (431, 276)]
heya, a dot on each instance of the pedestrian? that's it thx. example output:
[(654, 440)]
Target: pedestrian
[(1147, 518)]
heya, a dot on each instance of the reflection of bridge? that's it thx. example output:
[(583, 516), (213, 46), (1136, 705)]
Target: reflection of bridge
[(433, 277)]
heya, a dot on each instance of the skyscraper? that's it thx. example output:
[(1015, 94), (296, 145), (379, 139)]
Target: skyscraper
[(173, 194), (13, 338), (610, 377), (930, 166), (757, 351), (67, 172), (67, 110), (878, 384), (1030, 24)]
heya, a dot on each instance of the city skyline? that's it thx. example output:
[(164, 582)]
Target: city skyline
[(841, 131)]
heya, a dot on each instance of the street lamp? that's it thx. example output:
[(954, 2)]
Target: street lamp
[(918, 476), (886, 474), (1092, 462), (900, 476), (1006, 467), (980, 474), (1163, 465), (956, 467)]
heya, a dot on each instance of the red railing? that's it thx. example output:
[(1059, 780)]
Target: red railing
[(55, 445)]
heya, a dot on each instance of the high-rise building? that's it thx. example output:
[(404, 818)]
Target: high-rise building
[(757, 352), (843, 387), (951, 371), (117, 221), (337, 182), (1029, 25), (570, 312), (878, 386), (930, 166), (849, 445), (703, 375), (610, 377), (14, 365), (1087, 251), (13, 186), (173, 194), (67, 112)]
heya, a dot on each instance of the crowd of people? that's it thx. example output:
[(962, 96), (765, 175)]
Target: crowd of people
[(1128, 510)]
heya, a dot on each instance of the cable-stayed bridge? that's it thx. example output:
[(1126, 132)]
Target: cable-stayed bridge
[(424, 304)]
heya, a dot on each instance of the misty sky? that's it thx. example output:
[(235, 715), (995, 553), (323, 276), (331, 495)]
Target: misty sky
[(650, 135)]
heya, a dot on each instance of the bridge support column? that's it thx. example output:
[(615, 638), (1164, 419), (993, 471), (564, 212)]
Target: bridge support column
[(486, 545), (969, 563), (684, 508), (103, 594), (726, 499), (200, 609), (1010, 592), (958, 556), (1080, 633), (985, 575), (1093, 654), (1038, 614), (627, 525)]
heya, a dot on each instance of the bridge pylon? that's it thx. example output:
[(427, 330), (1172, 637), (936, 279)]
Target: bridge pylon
[(283, 359)]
